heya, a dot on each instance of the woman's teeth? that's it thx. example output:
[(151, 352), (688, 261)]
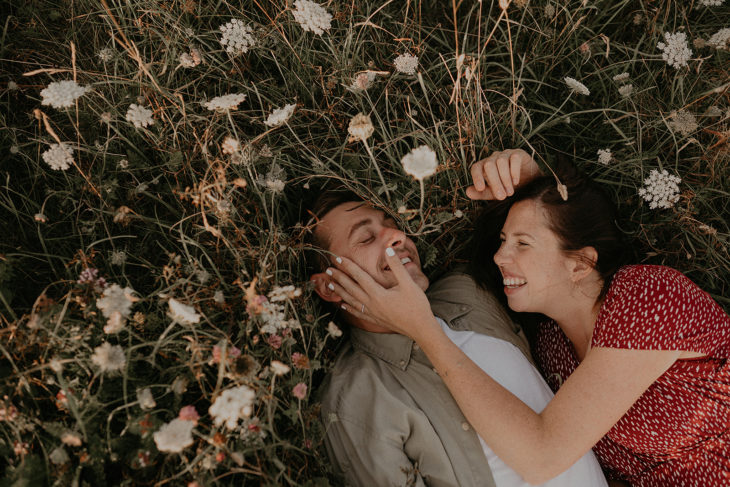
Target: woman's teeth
[(513, 281)]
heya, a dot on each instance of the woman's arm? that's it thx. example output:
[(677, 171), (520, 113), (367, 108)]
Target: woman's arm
[(537, 446)]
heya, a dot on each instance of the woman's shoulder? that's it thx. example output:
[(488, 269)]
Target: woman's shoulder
[(649, 281)]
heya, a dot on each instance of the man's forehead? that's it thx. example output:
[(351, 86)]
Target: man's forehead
[(339, 219)]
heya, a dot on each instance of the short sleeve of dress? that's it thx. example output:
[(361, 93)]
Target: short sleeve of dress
[(657, 308)]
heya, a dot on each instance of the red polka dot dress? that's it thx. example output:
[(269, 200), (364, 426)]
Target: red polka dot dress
[(678, 432)]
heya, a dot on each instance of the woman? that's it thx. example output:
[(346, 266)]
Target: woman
[(643, 351)]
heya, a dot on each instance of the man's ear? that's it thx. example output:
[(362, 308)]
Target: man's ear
[(584, 261), (321, 280)]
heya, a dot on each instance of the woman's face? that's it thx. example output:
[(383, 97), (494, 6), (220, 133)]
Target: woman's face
[(536, 272)]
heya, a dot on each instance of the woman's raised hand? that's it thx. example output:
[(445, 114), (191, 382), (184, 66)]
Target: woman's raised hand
[(496, 177), (402, 308)]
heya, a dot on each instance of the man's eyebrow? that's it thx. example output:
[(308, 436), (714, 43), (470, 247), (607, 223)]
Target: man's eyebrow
[(360, 224)]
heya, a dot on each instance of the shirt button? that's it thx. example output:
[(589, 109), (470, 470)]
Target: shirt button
[(416, 347), (402, 363), (463, 307), (465, 426)]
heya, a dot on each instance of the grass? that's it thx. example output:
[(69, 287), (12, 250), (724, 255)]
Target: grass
[(165, 211)]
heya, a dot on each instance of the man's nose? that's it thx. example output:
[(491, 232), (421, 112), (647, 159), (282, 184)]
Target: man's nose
[(394, 237)]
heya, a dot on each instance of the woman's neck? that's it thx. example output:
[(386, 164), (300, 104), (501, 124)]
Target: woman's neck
[(577, 316)]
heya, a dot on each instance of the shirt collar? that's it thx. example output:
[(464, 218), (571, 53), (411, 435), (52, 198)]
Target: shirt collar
[(392, 348)]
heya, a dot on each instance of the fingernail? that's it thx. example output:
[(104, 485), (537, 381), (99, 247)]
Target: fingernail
[(500, 194), (338, 260), (328, 272), (332, 288), (389, 252), (343, 307)]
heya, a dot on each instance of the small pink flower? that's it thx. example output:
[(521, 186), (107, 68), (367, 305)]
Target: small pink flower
[(300, 390), (300, 361), (233, 352), (256, 304), (274, 341), (188, 413)]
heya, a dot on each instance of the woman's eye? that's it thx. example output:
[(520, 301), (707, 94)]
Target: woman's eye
[(522, 244)]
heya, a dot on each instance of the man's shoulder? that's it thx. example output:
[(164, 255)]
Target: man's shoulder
[(459, 287)]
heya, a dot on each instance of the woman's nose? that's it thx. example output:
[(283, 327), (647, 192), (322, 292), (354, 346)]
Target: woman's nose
[(501, 256)]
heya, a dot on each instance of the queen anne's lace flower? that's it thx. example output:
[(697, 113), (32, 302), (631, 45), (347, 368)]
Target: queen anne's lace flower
[(145, 398), (312, 16), (621, 77), (711, 3), (59, 157), (280, 116), (230, 145), (279, 368), (683, 122), (236, 37), (661, 189), (362, 81), (720, 39), (225, 102), (406, 63), (116, 305), (105, 55), (626, 90), (182, 313), (420, 163), (233, 404), (108, 357), (360, 128), (282, 293), (333, 330), (675, 51), (174, 436), (576, 86), (62, 94), (190, 59), (139, 116), (604, 156)]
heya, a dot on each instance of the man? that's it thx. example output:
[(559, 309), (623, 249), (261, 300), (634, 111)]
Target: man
[(390, 419)]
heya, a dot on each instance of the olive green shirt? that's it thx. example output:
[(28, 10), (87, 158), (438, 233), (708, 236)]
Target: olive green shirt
[(390, 419)]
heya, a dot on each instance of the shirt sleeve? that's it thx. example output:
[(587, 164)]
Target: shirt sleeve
[(654, 308), (366, 459)]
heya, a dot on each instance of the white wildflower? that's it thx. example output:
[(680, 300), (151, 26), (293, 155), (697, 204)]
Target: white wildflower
[(59, 456), (116, 305), (683, 122), (362, 81), (145, 399), (190, 59), (626, 90), (70, 438), (312, 16), (360, 127), (105, 55), (275, 179), (604, 156), (713, 111), (108, 357), (661, 190), (549, 10), (62, 94), (576, 86), (406, 63), (279, 368), (675, 51), (40, 218), (179, 386), (333, 330), (218, 297), (236, 37), (711, 3), (720, 39), (182, 313), (14, 149), (621, 77), (12, 85), (280, 116), (282, 293), (273, 318), (230, 145), (174, 436), (118, 257), (59, 157), (225, 102), (275, 185), (233, 404), (420, 163), (139, 116)]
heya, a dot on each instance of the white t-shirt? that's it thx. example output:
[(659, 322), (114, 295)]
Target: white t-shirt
[(506, 364)]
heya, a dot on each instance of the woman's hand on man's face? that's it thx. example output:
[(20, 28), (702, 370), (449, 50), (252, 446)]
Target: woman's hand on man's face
[(497, 176), (402, 308)]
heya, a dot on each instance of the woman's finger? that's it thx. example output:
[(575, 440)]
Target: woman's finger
[(344, 284), (396, 267), (476, 175), (515, 166), (358, 275), (474, 194), (491, 174), (505, 176)]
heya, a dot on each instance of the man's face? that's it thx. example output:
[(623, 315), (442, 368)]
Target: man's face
[(361, 233)]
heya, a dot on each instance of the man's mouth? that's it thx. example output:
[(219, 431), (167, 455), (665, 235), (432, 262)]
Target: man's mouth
[(403, 260), (513, 282)]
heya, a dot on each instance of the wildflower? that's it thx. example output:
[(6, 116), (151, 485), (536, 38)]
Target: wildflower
[(179, 386), (59, 157), (59, 456), (233, 404), (279, 368), (360, 127), (174, 436), (218, 297), (458, 213), (300, 391), (191, 59), (40, 218), (675, 51), (713, 111), (105, 117), (626, 90), (71, 439), (188, 413), (406, 63), (116, 305), (274, 180), (604, 156), (230, 145), (576, 86), (362, 81), (282, 293), (300, 360), (233, 352), (14, 149), (145, 399), (274, 341), (225, 102), (420, 162), (312, 16), (55, 365), (121, 215), (109, 358), (118, 257), (12, 85), (621, 77), (720, 39), (91, 276), (549, 10), (182, 313), (333, 330), (683, 122), (236, 37), (661, 190), (105, 55), (62, 94), (139, 116), (711, 3), (280, 116)]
